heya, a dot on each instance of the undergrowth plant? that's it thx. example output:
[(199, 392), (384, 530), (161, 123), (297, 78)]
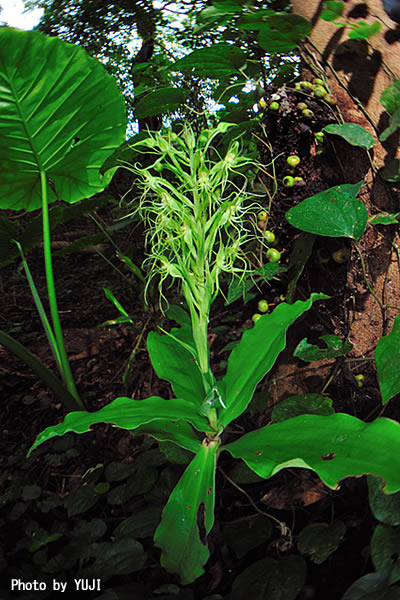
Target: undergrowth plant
[(194, 208), (52, 149)]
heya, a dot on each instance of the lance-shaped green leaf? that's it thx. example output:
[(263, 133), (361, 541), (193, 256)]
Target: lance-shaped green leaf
[(333, 213), (179, 432), (256, 354), (353, 134), (188, 517), (61, 113), (335, 447), (213, 61), (127, 413), (282, 32), (388, 362), (173, 362)]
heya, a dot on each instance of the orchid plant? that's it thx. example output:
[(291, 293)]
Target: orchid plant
[(195, 202)]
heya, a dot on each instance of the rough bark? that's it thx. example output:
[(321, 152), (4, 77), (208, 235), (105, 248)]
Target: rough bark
[(357, 72)]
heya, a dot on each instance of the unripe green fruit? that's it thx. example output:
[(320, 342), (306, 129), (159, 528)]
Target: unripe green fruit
[(330, 99), (255, 317), (262, 215), (263, 306), (297, 85), (293, 160), (318, 81), (288, 181), (262, 104), (269, 236), (274, 106), (320, 91), (340, 256), (360, 380), (301, 106), (307, 113), (273, 255), (299, 181), (306, 84), (320, 137)]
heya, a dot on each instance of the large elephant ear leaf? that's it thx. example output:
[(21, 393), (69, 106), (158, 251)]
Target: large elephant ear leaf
[(61, 114)]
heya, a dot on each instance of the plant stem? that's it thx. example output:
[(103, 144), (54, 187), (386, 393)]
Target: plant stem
[(65, 367)]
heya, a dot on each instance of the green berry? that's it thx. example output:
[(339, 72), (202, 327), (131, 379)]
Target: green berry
[(262, 104), (297, 85), (301, 106), (262, 215), (320, 137), (360, 380), (288, 181), (299, 181), (273, 255), (330, 99), (255, 317), (306, 84), (274, 106), (340, 256), (293, 160), (319, 91), (269, 237), (263, 306), (307, 113), (318, 81)]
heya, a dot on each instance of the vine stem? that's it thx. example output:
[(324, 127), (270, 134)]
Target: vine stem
[(65, 366)]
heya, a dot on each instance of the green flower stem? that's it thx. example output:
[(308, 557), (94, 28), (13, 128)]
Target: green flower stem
[(65, 367)]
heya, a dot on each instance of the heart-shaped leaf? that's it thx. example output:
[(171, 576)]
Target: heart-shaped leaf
[(353, 134), (388, 362), (61, 114), (333, 213)]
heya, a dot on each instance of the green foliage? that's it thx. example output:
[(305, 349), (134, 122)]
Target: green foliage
[(335, 347), (304, 404), (353, 134), (320, 540), (387, 362), (333, 213)]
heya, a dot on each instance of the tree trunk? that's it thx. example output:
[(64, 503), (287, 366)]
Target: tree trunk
[(357, 72)]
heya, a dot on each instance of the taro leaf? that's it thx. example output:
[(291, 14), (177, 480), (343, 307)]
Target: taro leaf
[(385, 551), (304, 404), (160, 101), (214, 61), (255, 356), (141, 524), (390, 97), (63, 120), (335, 212), (353, 134), (188, 517), (384, 508), (320, 540), (173, 362), (282, 32), (373, 586), (387, 356), (335, 447), (333, 9), (130, 414), (394, 124), (267, 578), (335, 347), (384, 218), (363, 31), (247, 533), (392, 171), (300, 254)]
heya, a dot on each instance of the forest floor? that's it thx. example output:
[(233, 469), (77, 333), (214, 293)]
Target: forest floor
[(87, 506)]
